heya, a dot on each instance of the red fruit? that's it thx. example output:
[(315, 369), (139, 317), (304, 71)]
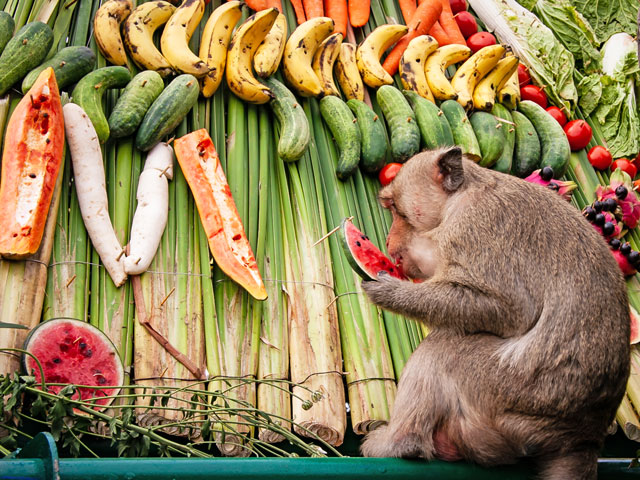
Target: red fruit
[(523, 75), (388, 173), (466, 23), (626, 166), (599, 157), (458, 6), (558, 114), (635, 326), (480, 40), (636, 161), (623, 263), (535, 94), (578, 133)]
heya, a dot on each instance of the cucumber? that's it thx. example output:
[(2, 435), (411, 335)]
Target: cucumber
[(168, 110), (88, 94), (554, 146), (463, 134), (403, 127), (26, 50), (373, 134), (343, 126), (134, 102), (526, 152), (489, 134), (434, 126), (7, 26), (295, 133), (503, 115), (70, 64)]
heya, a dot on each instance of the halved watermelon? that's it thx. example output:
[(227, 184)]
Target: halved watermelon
[(363, 256), (74, 352), (635, 327)]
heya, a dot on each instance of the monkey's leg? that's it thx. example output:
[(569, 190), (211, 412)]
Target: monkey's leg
[(578, 465)]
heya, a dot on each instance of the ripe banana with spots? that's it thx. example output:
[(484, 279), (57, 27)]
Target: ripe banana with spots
[(244, 44), (371, 49), (436, 65), (509, 94), (269, 54), (214, 43), (412, 65), (174, 42), (138, 30), (484, 95), (298, 55), (323, 62), (470, 73), (106, 29), (347, 73)]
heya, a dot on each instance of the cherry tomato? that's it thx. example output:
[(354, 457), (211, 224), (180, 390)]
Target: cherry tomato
[(558, 114), (578, 133), (388, 173), (523, 75), (599, 157), (480, 40), (466, 23), (458, 5), (624, 165), (636, 161), (535, 94)]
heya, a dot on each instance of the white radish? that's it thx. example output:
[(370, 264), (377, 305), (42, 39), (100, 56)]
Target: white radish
[(89, 177), (152, 211)]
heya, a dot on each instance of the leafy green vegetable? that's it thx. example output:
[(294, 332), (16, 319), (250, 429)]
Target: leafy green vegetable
[(609, 16)]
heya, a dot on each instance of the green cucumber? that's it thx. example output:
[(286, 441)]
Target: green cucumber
[(434, 126), (403, 127), (526, 152), (489, 134), (463, 134), (554, 146), (7, 26), (168, 110), (343, 126), (88, 94), (26, 50), (295, 133), (503, 115), (373, 134), (134, 102), (70, 64)]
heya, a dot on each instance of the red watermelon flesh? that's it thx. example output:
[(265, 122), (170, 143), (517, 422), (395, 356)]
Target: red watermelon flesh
[(635, 327), (75, 352)]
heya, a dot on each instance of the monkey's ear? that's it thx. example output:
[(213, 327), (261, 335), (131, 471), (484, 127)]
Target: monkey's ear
[(450, 172)]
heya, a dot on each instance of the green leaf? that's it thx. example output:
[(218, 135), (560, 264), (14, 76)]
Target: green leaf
[(610, 16)]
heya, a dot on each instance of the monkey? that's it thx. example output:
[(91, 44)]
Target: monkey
[(528, 350)]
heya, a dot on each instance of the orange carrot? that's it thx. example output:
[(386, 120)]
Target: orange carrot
[(337, 11), (313, 8), (274, 4), (256, 5), (450, 25), (359, 12), (299, 9), (439, 34), (408, 9)]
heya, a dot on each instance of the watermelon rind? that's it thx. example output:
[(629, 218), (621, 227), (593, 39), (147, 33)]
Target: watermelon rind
[(346, 248)]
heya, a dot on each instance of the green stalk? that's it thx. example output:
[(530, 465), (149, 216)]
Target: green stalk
[(21, 14)]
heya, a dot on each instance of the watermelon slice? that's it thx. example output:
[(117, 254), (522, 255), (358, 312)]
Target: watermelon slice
[(635, 327), (363, 256), (74, 352)]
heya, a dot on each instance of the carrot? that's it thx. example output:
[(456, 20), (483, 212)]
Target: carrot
[(337, 11), (439, 34), (299, 9), (359, 12), (450, 25), (423, 19), (313, 8), (408, 9), (256, 5), (274, 4)]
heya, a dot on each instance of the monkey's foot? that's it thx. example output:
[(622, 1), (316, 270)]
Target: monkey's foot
[(445, 449)]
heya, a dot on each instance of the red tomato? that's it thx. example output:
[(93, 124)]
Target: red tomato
[(480, 40), (535, 94), (636, 161), (578, 133), (558, 114), (466, 23), (624, 165), (523, 75), (458, 5), (599, 157), (388, 173)]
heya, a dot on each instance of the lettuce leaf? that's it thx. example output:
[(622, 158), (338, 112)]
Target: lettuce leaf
[(609, 16)]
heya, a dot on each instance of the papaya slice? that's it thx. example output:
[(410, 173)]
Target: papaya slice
[(31, 160), (228, 242)]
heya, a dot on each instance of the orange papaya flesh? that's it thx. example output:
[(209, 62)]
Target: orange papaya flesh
[(31, 160), (228, 242)]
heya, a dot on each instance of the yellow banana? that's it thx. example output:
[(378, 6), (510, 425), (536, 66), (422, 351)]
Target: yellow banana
[(138, 30), (347, 73), (215, 41), (412, 69), (484, 95), (298, 55), (244, 43), (174, 42), (436, 65), (269, 53), (509, 94), (106, 29), (468, 75), (371, 49), (323, 61)]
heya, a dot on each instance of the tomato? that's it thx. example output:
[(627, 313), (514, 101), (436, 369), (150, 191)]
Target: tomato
[(466, 23), (599, 157), (535, 94), (636, 161), (578, 133), (626, 166), (388, 173), (523, 75), (558, 114), (458, 6), (480, 40)]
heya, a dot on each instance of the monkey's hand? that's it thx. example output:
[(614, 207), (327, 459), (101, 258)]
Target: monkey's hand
[(383, 290)]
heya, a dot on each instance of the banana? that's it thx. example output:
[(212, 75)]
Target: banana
[(106, 29), (215, 42), (347, 73), (244, 43), (484, 95), (138, 30), (269, 53), (174, 42), (371, 49), (509, 94), (323, 61), (436, 65), (468, 75), (412, 65), (298, 55)]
